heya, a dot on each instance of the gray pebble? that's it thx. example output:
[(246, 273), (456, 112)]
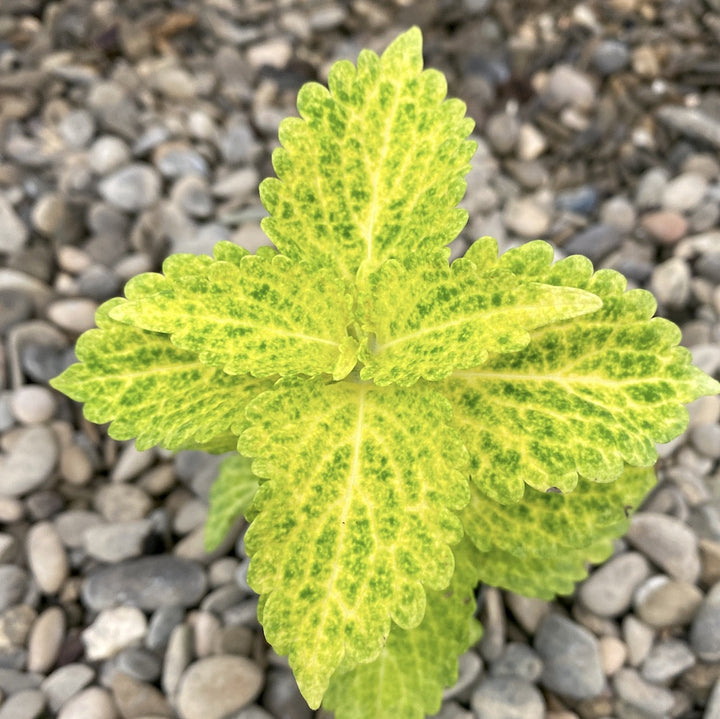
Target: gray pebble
[(131, 463), (118, 541), (71, 526), (571, 658), (706, 439), (132, 188), (568, 86), (237, 142), (75, 314), (282, 698), (77, 128), (92, 702), (595, 243), (192, 193), (65, 683), (122, 502), (27, 704), (30, 461), (135, 698), (108, 153), (662, 602), (15, 233), (507, 697), (178, 656), (684, 192), (705, 630), (691, 122), (15, 307), (526, 217), (650, 188), (162, 623), (50, 215), (610, 56), (148, 583), (502, 132), (667, 542), (46, 557), (33, 404), (213, 687), (46, 636), (618, 212), (518, 660), (642, 695), (639, 638), (140, 663), (99, 283), (609, 590), (175, 159), (12, 680), (667, 660)]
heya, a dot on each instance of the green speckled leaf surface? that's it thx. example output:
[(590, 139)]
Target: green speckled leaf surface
[(355, 521), (153, 391), (231, 495), (407, 679), (426, 318), (247, 314), (374, 167), (585, 396)]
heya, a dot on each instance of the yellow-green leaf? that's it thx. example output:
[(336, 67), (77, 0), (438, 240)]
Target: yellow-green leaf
[(541, 545), (355, 521), (407, 679), (425, 318), (374, 167), (231, 495), (247, 314), (586, 395), (149, 389)]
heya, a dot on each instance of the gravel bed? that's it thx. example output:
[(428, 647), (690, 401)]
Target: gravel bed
[(133, 129)]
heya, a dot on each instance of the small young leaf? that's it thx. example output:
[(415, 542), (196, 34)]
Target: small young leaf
[(355, 521), (585, 397), (427, 318), (230, 497), (375, 167), (407, 679), (541, 546), (151, 390), (247, 314)]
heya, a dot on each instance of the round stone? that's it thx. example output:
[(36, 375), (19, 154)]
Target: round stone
[(46, 636), (46, 557), (75, 314), (609, 590), (30, 461), (664, 226), (66, 682), (526, 217), (108, 153), (685, 192), (705, 630), (662, 602), (133, 188), (507, 697), (92, 702), (27, 704), (148, 583), (667, 542), (213, 687), (571, 658), (667, 660), (33, 404)]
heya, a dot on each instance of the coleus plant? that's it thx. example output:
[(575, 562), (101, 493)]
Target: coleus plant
[(415, 427)]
